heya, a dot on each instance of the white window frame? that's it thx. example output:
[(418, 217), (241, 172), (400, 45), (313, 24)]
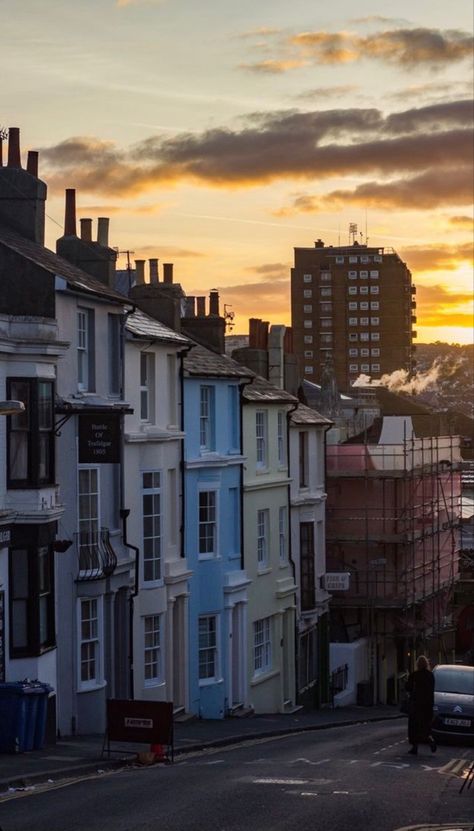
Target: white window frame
[(352, 290), (281, 435), (353, 353), (364, 321), (308, 324), (374, 305), (364, 353), (88, 523), (85, 349), (308, 293), (375, 336), (374, 289), (353, 367), (352, 259), (152, 555), (308, 339), (352, 275), (325, 337), (261, 439), (147, 371), (340, 259), (364, 306), (353, 321), (325, 322), (211, 521), (374, 274), (365, 367), (375, 367), (364, 275), (262, 646), (152, 650), (325, 276), (352, 305), (211, 646), (263, 541), (206, 417), (282, 533), (308, 308), (375, 321), (353, 337), (94, 640), (375, 353), (308, 370), (308, 353), (364, 289), (307, 278), (364, 336)]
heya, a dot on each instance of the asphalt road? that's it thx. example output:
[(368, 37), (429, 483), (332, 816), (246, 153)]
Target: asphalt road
[(345, 779)]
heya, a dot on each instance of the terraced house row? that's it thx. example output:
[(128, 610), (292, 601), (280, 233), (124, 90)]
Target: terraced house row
[(161, 505)]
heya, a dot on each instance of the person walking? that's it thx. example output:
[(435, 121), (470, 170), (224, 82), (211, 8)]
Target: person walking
[(420, 687)]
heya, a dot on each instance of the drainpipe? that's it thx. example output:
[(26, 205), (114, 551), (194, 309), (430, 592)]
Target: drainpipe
[(182, 354), (241, 417), (124, 513)]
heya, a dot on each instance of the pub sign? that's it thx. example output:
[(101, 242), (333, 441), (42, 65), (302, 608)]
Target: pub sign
[(99, 438)]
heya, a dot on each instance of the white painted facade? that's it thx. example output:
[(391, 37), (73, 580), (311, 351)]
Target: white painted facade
[(308, 534), (153, 441), (271, 593)]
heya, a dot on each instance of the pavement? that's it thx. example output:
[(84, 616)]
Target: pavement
[(75, 756)]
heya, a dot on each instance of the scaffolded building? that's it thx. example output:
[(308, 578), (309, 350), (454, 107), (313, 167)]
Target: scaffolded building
[(393, 514)]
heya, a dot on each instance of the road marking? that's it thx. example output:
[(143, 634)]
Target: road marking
[(272, 781), (309, 761)]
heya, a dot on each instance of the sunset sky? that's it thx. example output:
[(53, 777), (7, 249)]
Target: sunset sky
[(219, 135)]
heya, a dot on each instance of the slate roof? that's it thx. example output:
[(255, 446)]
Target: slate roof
[(305, 415), (141, 325), (262, 390), (200, 361), (49, 261)]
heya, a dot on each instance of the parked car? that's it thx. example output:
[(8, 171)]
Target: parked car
[(454, 701)]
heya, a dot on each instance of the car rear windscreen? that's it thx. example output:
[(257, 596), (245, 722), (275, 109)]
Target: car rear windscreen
[(454, 681)]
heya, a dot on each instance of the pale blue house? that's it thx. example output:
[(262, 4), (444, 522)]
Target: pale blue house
[(213, 532)]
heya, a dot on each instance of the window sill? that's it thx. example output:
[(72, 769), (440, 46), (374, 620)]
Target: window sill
[(208, 682), (93, 688), (205, 557), (265, 570), (153, 684), (264, 676)]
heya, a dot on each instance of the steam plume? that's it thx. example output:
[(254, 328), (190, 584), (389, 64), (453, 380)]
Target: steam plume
[(402, 381)]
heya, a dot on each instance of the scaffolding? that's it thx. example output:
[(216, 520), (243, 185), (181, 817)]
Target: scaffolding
[(393, 514)]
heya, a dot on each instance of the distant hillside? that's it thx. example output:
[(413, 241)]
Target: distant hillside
[(454, 385)]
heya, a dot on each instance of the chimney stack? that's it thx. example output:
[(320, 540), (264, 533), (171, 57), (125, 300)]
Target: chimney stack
[(214, 302), (70, 213), (254, 323), (154, 278), (189, 304), (14, 157), (103, 231), (167, 272), (32, 162), (140, 272), (86, 230), (201, 306)]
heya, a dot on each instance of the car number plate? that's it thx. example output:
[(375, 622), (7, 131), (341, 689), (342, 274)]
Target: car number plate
[(458, 722)]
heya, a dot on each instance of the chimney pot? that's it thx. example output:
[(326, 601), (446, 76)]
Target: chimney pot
[(70, 213), (14, 157), (103, 231), (167, 272), (189, 306), (86, 230), (201, 306), (32, 162), (140, 272), (214, 302), (154, 278)]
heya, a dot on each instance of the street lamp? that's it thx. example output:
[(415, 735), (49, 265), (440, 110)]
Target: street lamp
[(11, 407)]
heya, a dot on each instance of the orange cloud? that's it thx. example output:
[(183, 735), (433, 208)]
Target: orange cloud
[(462, 221), (437, 257), (438, 307), (288, 145), (406, 47)]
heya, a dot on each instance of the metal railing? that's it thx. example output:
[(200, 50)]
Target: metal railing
[(96, 556)]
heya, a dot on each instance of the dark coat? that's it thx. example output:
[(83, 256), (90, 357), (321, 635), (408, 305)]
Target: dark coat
[(420, 686)]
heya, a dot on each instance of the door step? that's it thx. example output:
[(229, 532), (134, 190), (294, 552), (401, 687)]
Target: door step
[(239, 711), (289, 707), (180, 716)]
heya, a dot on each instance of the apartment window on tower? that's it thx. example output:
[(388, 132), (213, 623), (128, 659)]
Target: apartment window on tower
[(151, 508), (85, 350)]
